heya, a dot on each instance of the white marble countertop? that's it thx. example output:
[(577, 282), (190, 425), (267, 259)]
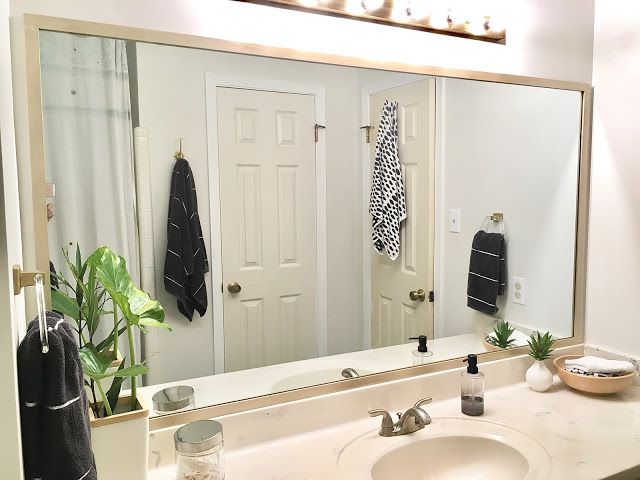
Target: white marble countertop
[(586, 437)]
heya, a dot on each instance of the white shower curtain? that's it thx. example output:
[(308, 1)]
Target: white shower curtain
[(88, 144)]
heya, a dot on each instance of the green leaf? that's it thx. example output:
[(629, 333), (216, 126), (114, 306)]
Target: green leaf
[(503, 331), (136, 305), (540, 345), (132, 371), (60, 302), (107, 343), (114, 390), (94, 362)]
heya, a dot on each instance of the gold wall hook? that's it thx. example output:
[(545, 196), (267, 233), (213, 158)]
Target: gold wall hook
[(23, 279), (497, 217), (179, 155)]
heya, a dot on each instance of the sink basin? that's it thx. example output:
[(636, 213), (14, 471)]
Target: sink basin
[(448, 449), (313, 377)]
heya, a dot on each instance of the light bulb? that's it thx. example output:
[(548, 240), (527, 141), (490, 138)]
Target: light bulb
[(354, 7), (477, 25), (420, 9), (496, 24), (439, 17), (371, 5), (401, 11)]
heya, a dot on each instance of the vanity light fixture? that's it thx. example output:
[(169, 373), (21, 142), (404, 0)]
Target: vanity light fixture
[(447, 17), (371, 5)]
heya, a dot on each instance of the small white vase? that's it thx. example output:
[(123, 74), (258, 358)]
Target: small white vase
[(539, 377)]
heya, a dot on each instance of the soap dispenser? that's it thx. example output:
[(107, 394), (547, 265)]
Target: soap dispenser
[(420, 355), (472, 388)]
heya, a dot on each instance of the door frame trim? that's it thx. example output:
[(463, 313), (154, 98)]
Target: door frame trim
[(366, 92), (212, 82)]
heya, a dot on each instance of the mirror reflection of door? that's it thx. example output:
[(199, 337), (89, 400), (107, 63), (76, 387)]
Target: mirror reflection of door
[(395, 315), (266, 161)]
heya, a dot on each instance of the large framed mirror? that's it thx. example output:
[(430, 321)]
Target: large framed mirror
[(304, 219)]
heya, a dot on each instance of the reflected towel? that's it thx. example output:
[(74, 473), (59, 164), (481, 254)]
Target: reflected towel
[(487, 272), (387, 200)]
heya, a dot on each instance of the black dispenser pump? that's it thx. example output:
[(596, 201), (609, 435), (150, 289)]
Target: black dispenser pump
[(472, 360), (422, 343)]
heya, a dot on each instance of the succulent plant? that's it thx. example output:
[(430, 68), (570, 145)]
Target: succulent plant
[(502, 331), (540, 345)]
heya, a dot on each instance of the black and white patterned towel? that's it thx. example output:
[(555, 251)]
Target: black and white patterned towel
[(387, 201)]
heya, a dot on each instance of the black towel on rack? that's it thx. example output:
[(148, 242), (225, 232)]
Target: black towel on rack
[(487, 270), (56, 439), (186, 259)]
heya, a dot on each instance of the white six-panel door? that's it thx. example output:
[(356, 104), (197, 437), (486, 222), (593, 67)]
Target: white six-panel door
[(395, 317), (266, 155)]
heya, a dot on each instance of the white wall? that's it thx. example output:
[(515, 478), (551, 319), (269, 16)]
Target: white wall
[(11, 307), (614, 226), (176, 107), (510, 149)]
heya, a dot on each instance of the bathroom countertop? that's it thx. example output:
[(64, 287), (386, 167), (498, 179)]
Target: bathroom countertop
[(231, 386), (586, 437)]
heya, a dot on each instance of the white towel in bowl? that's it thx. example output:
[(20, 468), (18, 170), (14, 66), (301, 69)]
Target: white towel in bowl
[(590, 365)]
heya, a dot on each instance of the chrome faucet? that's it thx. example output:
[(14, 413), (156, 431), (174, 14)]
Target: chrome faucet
[(350, 373), (410, 421)]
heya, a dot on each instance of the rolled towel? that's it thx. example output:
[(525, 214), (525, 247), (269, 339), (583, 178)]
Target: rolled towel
[(590, 365)]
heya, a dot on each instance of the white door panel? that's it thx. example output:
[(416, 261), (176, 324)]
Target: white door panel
[(395, 317), (268, 223)]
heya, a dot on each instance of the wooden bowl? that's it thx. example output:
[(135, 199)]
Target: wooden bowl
[(589, 384), (488, 347)]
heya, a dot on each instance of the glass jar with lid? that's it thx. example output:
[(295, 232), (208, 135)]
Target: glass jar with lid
[(199, 451)]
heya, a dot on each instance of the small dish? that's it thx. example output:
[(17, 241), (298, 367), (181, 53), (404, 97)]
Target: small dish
[(590, 384)]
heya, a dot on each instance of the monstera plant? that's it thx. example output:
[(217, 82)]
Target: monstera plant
[(100, 293)]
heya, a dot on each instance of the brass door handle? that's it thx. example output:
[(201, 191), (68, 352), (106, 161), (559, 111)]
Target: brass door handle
[(417, 295), (234, 287)]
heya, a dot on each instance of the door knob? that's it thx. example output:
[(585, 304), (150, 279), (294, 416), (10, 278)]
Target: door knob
[(234, 287), (417, 295)]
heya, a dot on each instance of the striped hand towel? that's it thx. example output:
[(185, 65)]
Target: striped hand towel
[(487, 272), (56, 439)]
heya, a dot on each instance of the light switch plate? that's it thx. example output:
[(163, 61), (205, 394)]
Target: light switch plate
[(519, 290), (454, 220)]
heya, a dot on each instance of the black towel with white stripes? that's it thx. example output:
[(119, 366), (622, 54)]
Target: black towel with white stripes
[(487, 272), (186, 259), (56, 439)]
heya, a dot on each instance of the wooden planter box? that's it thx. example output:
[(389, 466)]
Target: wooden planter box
[(121, 442)]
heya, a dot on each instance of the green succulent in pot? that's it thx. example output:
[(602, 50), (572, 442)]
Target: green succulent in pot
[(501, 337), (540, 345), (102, 292)]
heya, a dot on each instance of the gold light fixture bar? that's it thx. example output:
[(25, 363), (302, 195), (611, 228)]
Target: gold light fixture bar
[(426, 15)]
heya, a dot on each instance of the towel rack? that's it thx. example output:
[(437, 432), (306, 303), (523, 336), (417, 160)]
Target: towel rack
[(42, 313), (495, 218)]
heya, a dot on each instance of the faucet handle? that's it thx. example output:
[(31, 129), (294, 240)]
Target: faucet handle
[(387, 427), (376, 412), (422, 401)]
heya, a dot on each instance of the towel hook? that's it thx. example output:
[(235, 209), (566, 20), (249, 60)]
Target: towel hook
[(42, 314), (497, 218), (179, 155)]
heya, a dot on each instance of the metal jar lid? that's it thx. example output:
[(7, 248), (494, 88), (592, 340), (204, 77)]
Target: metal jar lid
[(171, 399), (198, 437)]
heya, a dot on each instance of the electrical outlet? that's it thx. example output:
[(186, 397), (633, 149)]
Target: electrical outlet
[(454, 220), (519, 290)]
